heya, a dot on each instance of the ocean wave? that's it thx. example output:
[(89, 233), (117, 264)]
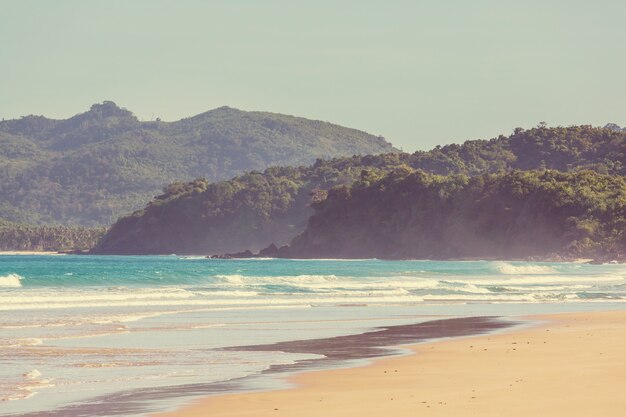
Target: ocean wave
[(350, 293), (230, 279), (10, 281), (28, 298), (510, 269), (461, 286), (241, 302), (255, 259), (541, 288), (336, 286), (478, 285), (219, 293), (237, 279), (541, 297), (331, 260), (480, 297), (328, 281), (545, 280)]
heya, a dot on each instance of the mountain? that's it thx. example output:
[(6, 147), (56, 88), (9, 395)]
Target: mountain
[(258, 208), (93, 167), (409, 214)]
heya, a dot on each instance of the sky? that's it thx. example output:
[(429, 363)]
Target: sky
[(419, 73)]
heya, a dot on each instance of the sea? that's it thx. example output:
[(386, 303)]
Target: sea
[(131, 335)]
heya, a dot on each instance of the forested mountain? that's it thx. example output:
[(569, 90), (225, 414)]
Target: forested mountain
[(20, 237), (93, 167), (408, 214), (259, 208)]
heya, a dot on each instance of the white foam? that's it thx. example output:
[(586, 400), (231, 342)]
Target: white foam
[(256, 259), (510, 269), (32, 375), (543, 280), (332, 260), (124, 318), (227, 293), (480, 297), (333, 285), (354, 293), (23, 387), (462, 286), (329, 282), (10, 281), (379, 283), (26, 388), (286, 279), (539, 297), (230, 279), (541, 288), (120, 294), (241, 302), (15, 343)]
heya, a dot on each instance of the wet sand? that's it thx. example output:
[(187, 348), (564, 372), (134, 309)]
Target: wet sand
[(336, 351), (332, 352), (568, 365)]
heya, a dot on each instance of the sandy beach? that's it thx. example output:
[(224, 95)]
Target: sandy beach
[(562, 365)]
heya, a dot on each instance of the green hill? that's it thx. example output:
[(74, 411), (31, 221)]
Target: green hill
[(20, 237), (409, 214), (93, 167), (259, 208)]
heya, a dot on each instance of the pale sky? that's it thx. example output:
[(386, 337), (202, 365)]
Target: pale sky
[(419, 73)]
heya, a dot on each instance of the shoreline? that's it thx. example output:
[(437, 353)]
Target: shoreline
[(332, 353), (598, 260), (563, 364), (609, 260), (340, 351), (29, 252)]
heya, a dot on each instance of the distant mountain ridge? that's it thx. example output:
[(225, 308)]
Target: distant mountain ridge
[(97, 165), (259, 208)]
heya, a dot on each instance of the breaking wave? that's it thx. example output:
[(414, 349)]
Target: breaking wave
[(10, 281), (237, 279), (510, 269)]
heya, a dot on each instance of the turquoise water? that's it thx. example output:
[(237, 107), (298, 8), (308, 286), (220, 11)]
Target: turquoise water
[(73, 328)]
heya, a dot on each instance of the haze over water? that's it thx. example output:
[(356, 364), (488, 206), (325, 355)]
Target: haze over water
[(75, 328)]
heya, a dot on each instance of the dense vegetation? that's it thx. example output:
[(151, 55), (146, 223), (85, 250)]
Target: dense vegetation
[(259, 208), (98, 165), (16, 237), (248, 211), (412, 214)]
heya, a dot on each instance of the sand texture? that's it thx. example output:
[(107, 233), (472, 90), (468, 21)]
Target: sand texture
[(569, 365)]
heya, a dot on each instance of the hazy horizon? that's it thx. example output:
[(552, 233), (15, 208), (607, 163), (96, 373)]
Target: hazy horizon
[(417, 74)]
